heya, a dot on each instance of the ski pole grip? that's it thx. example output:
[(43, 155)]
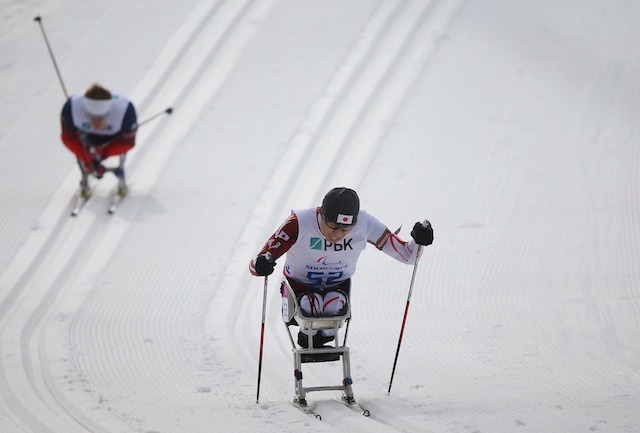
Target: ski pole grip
[(426, 224)]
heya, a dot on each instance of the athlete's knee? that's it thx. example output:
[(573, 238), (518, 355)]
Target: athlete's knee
[(334, 303), (311, 304)]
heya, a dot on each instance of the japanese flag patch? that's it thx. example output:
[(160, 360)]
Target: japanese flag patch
[(344, 219)]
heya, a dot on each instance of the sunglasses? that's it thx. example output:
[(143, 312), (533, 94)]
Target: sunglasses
[(336, 226)]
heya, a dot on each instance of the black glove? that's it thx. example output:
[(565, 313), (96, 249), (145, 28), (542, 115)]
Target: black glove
[(422, 233), (264, 264)]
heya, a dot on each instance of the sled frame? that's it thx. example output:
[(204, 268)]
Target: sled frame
[(302, 355)]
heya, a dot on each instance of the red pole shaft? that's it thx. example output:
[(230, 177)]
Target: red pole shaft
[(264, 309), (395, 361), (404, 319), (260, 363)]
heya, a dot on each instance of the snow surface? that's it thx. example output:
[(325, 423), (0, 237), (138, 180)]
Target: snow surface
[(512, 126)]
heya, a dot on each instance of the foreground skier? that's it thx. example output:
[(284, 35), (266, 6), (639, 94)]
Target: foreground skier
[(323, 245), (95, 126)]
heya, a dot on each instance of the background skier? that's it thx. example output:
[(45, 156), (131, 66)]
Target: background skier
[(323, 245), (95, 126)]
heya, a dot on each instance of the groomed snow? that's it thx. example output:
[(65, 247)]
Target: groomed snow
[(512, 126)]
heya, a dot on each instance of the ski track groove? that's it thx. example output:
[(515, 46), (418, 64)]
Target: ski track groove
[(39, 379), (501, 302), (411, 58), (247, 11), (505, 302), (332, 128), (433, 17), (299, 142), (494, 296), (629, 196), (273, 198)]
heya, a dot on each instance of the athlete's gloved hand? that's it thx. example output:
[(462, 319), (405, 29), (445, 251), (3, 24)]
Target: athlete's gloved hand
[(422, 233), (95, 168), (95, 155), (264, 264)]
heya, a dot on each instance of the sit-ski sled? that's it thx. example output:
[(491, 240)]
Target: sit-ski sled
[(336, 352)]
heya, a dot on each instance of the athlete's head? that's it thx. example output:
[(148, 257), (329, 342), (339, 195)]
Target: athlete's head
[(97, 103)]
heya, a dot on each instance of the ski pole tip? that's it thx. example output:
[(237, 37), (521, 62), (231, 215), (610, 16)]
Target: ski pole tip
[(38, 18), (169, 110)]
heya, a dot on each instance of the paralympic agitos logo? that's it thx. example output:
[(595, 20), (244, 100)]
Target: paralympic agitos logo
[(324, 245)]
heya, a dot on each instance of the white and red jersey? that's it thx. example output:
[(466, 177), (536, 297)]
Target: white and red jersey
[(314, 261), (116, 136), (117, 121)]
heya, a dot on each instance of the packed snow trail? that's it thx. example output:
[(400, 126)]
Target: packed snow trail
[(512, 127), (49, 272), (350, 118)]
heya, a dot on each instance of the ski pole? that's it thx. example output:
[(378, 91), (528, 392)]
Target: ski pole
[(38, 19), (165, 111), (264, 309), (404, 319), (114, 170), (406, 311)]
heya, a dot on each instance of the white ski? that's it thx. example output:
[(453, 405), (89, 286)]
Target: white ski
[(79, 204), (306, 409), (351, 404), (116, 199)]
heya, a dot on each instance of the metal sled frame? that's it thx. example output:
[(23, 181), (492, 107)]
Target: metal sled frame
[(310, 323)]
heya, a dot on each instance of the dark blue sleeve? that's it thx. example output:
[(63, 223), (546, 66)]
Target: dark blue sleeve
[(66, 118), (130, 121)]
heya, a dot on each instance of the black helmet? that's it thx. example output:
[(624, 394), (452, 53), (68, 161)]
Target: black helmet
[(341, 206)]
